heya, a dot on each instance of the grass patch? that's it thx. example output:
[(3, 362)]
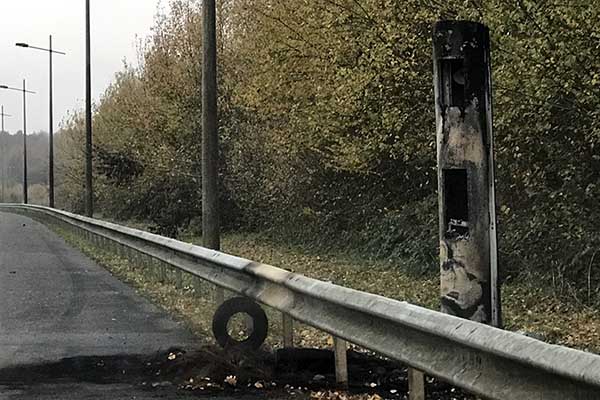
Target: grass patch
[(527, 305)]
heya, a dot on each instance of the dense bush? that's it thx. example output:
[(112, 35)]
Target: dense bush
[(327, 127)]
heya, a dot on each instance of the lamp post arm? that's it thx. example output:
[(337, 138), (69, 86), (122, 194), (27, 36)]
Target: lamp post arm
[(40, 48), (17, 89)]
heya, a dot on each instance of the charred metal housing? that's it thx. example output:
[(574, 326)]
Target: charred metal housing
[(468, 249)]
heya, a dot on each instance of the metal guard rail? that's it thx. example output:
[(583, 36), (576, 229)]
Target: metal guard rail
[(486, 361)]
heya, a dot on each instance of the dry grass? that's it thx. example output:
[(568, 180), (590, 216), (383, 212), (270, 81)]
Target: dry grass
[(376, 277), (532, 308), (527, 306)]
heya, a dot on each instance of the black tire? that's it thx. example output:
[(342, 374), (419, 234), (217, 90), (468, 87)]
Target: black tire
[(240, 305)]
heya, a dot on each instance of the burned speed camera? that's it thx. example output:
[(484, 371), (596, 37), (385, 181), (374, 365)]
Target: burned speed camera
[(468, 255)]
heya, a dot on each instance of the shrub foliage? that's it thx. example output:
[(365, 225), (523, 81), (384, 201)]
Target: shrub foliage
[(327, 128)]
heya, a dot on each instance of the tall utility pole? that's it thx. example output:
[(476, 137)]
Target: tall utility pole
[(51, 136), (210, 136), (51, 51), (3, 149), (25, 92), (89, 194), (25, 200)]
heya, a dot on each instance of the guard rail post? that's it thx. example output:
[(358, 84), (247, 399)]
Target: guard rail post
[(416, 384), (340, 348), (288, 330)]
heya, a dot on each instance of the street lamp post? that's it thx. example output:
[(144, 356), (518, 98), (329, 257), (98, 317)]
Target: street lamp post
[(24, 91), (51, 133), (89, 189), (3, 149)]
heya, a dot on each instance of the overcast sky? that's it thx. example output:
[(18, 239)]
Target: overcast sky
[(116, 26)]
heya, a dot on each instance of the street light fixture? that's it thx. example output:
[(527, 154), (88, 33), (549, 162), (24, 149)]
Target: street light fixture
[(51, 133), (25, 92)]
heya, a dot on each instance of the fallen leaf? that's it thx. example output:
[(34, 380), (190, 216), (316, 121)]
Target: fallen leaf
[(231, 380)]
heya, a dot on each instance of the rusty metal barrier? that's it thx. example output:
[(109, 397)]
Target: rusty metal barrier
[(481, 359)]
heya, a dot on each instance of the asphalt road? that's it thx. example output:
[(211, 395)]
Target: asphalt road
[(57, 304)]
